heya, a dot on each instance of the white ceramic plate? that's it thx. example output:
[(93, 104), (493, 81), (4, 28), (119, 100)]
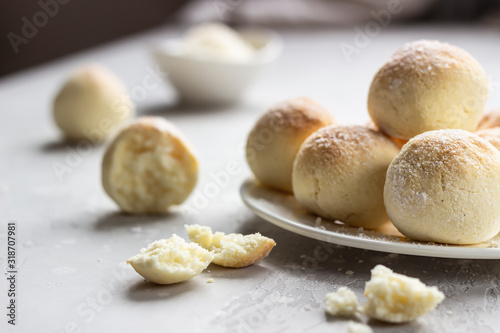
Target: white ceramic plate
[(282, 210)]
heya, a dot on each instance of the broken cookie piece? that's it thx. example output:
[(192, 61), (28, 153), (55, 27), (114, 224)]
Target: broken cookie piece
[(392, 297), (172, 260), (149, 167), (231, 250), (342, 302), (397, 298)]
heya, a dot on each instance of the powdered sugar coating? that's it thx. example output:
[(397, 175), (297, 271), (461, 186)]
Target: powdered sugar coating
[(341, 142), (427, 57), (444, 187), (294, 114), (427, 85), (339, 173), (277, 136)]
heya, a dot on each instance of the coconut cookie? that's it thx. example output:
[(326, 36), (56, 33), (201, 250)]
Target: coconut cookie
[(339, 174), (276, 138), (444, 187), (149, 167), (91, 104), (427, 85)]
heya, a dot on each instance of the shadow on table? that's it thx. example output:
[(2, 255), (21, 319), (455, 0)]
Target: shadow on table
[(413, 326), (181, 108), (218, 272), (312, 259), (357, 318), (298, 252), (63, 144), (145, 291), (56, 146), (115, 220)]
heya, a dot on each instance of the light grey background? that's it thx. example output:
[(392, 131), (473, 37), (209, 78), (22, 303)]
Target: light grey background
[(73, 241)]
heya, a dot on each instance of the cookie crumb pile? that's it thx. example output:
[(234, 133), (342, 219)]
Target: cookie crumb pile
[(391, 297)]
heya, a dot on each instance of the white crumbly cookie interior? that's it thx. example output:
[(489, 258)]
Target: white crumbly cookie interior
[(172, 260), (231, 250), (397, 298), (149, 167), (342, 302)]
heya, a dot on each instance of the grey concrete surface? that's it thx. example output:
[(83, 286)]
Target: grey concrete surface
[(72, 241)]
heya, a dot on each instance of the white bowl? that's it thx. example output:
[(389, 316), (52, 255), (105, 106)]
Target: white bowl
[(200, 81)]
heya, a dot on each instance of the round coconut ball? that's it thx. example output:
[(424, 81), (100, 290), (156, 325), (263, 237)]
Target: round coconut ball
[(339, 174), (427, 85), (91, 104), (277, 136), (490, 120), (444, 186), (149, 167)]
